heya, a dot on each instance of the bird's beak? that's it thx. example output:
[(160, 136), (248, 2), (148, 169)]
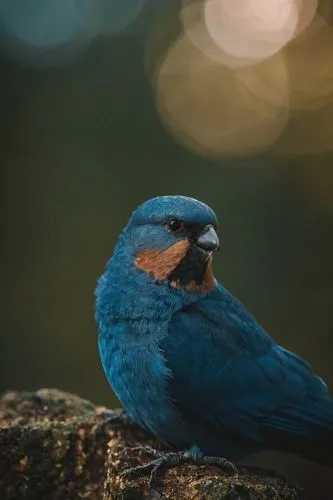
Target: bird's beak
[(208, 240)]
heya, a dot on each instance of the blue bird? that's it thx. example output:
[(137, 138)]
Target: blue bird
[(185, 358)]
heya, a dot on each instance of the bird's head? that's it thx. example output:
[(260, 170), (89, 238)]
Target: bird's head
[(172, 239)]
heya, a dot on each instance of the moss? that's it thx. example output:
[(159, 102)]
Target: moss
[(55, 445), (215, 490)]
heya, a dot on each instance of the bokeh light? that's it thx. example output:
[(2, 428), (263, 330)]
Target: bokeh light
[(244, 32), (310, 65), (251, 30), (306, 10), (43, 23), (215, 110), (54, 31), (245, 76)]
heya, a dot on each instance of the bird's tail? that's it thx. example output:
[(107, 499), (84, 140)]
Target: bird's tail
[(306, 430)]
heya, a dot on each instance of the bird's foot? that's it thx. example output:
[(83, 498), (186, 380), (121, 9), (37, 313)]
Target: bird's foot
[(166, 460), (117, 418)]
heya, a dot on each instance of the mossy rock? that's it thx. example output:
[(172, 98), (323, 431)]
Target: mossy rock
[(55, 445)]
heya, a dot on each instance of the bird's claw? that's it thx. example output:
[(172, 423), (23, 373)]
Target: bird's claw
[(152, 468), (222, 463), (173, 459)]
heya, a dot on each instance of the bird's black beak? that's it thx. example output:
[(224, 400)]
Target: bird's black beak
[(208, 240)]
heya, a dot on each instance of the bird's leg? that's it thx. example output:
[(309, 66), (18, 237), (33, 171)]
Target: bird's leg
[(117, 418), (166, 460)]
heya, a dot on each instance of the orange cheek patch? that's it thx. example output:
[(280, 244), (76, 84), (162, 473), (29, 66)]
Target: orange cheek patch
[(160, 264)]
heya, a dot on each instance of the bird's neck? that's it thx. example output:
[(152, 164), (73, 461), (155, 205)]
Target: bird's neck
[(127, 293)]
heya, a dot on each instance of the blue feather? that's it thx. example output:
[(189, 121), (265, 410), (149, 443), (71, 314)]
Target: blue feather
[(194, 367)]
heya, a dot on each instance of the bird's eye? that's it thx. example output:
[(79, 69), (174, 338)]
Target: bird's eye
[(175, 225)]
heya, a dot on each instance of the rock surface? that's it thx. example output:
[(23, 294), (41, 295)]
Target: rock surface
[(55, 445)]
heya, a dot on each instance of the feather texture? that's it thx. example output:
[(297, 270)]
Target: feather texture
[(191, 364)]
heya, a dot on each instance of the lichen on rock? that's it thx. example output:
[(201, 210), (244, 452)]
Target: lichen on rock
[(57, 446)]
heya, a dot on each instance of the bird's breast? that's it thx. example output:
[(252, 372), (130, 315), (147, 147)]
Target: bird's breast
[(139, 376)]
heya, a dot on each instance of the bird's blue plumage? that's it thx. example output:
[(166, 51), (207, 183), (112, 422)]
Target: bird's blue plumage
[(189, 363), (158, 209)]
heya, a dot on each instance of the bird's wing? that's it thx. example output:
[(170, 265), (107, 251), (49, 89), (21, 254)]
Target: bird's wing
[(229, 374)]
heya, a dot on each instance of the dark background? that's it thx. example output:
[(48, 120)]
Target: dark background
[(81, 145)]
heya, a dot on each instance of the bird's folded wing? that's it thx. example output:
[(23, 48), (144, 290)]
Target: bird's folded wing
[(229, 374)]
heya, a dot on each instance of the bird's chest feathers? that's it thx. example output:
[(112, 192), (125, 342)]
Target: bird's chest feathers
[(134, 318), (136, 369)]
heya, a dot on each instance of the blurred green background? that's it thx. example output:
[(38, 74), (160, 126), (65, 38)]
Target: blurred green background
[(83, 143)]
